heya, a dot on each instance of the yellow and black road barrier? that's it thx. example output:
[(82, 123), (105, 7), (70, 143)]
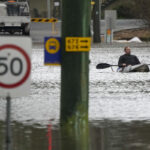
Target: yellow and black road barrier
[(47, 20), (51, 20)]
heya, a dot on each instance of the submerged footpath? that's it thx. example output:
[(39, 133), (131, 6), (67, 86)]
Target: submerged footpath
[(119, 44), (142, 33)]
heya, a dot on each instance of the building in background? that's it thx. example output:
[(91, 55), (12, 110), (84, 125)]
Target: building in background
[(38, 8), (45, 8)]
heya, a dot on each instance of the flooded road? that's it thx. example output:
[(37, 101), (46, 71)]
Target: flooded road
[(119, 106), (41, 30)]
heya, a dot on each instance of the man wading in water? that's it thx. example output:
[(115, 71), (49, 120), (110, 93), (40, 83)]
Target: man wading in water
[(127, 60)]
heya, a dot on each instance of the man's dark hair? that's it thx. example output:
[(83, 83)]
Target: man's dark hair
[(126, 48)]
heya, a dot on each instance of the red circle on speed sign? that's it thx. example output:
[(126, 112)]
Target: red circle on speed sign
[(25, 77)]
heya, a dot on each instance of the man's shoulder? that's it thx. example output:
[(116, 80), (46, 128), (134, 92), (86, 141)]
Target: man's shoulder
[(133, 55), (124, 55)]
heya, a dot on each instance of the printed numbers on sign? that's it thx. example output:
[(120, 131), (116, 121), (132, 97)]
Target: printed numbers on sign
[(78, 44), (15, 66), (5, 67)]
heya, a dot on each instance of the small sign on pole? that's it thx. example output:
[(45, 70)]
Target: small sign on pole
[(78, 44), (56, 4), (52, 51)]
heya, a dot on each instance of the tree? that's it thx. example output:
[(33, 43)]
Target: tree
[(142, 10), (123, 13), (96, 22)]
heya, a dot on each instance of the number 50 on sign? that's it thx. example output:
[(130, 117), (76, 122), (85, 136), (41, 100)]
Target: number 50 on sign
[(15, 66)]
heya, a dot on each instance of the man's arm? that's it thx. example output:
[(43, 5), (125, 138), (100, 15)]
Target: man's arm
[(121, 62)]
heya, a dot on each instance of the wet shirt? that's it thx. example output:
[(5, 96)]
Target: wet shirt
[(128, 60)]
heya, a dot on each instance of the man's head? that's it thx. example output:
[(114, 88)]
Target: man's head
[(127, 50)]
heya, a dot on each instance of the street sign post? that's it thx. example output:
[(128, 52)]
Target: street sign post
[(52, 51), (15, 66)]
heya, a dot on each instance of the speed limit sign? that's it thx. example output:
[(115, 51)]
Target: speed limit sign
[(15, 66)]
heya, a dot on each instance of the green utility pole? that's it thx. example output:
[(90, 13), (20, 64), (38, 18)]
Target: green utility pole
[(75, 77), (96, 21)]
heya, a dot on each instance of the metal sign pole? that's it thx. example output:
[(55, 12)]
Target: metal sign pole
[(48, 9), (11, 85), (8, 123)]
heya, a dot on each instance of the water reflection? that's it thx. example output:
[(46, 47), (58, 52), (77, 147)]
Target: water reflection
[(104, 135), (117, 135)]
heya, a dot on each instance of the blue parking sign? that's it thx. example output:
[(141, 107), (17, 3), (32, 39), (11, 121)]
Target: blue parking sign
[(52, 51)]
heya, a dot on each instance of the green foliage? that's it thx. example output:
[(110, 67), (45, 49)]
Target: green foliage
[(125, 12), (142, 10), (124, 8)]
